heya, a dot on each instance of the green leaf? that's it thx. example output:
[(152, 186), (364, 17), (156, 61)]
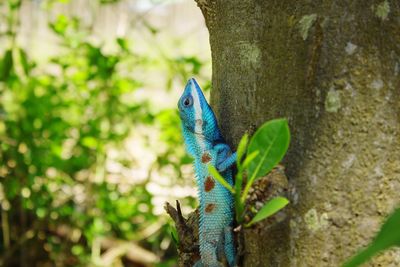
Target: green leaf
[(272, 141), (219, 178), (270, 208), (249, 158), (242, 148), (6, 65), (388, 236)]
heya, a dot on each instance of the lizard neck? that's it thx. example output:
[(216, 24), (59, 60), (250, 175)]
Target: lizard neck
[(196, 144)]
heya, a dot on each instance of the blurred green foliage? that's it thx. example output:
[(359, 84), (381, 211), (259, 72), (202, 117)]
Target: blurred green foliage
[(58, 120)]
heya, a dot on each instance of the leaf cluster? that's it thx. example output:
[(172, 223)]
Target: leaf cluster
[(255, 159)]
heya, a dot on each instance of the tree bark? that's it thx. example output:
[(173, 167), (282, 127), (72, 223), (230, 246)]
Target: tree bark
[(340, 90)]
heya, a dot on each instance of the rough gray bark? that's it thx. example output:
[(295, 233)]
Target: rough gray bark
[(340, 90)]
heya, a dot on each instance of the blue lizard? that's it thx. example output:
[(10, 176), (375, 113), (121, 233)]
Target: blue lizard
[(206, 145)]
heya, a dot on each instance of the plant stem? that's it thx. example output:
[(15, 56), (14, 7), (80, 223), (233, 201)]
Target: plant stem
[(238, 203)]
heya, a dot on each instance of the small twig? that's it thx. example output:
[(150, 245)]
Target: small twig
[(187, 229)]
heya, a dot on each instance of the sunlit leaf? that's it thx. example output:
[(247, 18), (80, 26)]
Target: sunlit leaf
[(270, 208), (272, 141)]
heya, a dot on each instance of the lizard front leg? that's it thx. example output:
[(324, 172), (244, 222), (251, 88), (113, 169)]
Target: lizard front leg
[(226, 158)]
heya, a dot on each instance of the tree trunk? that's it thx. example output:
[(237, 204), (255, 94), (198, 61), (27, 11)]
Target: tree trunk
[(340, 90)]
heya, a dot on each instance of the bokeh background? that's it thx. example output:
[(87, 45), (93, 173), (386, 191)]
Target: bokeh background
[(90, 142)]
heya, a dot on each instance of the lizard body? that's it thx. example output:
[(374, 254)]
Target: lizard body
[(206, 145)]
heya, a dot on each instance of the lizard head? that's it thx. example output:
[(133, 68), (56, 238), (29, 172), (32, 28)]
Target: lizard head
[(196, 114)]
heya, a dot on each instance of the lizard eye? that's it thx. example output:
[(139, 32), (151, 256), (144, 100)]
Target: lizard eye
[(187, 101)]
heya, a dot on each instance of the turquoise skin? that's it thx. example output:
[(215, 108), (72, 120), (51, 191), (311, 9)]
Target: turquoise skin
[(206, 145)]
